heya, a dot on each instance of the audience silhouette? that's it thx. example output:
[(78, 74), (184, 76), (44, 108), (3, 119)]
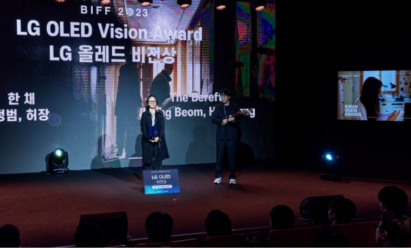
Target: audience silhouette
[(393, 199), (9, 236), (218, 224), (89, 235), (341, 211), (393, 229), (282, 217), (159, 227)]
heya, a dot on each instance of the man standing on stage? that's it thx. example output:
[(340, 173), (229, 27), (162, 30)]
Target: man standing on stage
[(227, 133), (128, 104), (160, 86)]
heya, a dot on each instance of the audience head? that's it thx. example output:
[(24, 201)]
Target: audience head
[(341, 211), (9, 236), (282, 217), (89, 235), (393, 199), (218, 224), (392, 230), (159, 227), (329, 236)]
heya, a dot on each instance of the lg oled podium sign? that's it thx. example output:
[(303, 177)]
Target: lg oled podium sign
[(161, 181)]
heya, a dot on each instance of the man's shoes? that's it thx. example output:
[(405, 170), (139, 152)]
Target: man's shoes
[(217, 180), (233, 182)]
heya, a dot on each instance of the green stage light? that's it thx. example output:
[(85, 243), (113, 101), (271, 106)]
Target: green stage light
[(330, 168), (57, 161), (58, 152)]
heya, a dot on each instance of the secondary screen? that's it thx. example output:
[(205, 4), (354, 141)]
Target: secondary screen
[(380, 95)]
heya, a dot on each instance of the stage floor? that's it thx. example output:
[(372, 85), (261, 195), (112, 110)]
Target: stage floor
[(47, 209)]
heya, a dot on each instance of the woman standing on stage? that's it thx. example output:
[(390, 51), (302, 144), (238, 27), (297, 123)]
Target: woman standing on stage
[(153, 142)]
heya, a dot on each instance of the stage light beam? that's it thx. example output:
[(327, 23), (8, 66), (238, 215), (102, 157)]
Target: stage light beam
[(329, 157), (58, 152)]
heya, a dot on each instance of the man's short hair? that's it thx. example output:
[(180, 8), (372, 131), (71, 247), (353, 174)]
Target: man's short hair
[(329, 236), (394, 198), (344, 210), (9, 236), (282, 217), (397, 228), (169, 66), (89, 235), (226, 92), (159, 227), (218, 224)]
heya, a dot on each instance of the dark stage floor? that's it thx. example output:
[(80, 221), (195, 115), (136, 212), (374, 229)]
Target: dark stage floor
[(46, 209)]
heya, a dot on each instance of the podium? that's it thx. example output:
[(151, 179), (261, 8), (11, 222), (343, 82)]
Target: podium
[(161, 181)]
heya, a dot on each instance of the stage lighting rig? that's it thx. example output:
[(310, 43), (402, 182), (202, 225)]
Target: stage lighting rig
[(145, 3), (259, 5), (57, 162), (220, 4), (184, 4), (330, 167)]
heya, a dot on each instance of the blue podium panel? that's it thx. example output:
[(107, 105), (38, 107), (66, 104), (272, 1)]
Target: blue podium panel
[(161, 181)]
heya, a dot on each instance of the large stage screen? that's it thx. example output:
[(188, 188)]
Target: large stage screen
[(75, 75), (380, 95)]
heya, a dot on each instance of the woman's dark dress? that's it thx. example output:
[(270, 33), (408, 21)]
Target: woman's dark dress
[(152, 149)]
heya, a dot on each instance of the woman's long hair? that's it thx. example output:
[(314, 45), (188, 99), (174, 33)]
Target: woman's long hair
[(369, 97)]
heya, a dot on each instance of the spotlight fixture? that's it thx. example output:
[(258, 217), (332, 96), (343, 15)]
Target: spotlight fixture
[(184, 4), (60, 1), (57, 161), (328, 156), (220, 4), (105, 2), (145, 3), (259, 5), (329, 167)]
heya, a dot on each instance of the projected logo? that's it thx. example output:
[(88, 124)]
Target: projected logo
[(161, 181)]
